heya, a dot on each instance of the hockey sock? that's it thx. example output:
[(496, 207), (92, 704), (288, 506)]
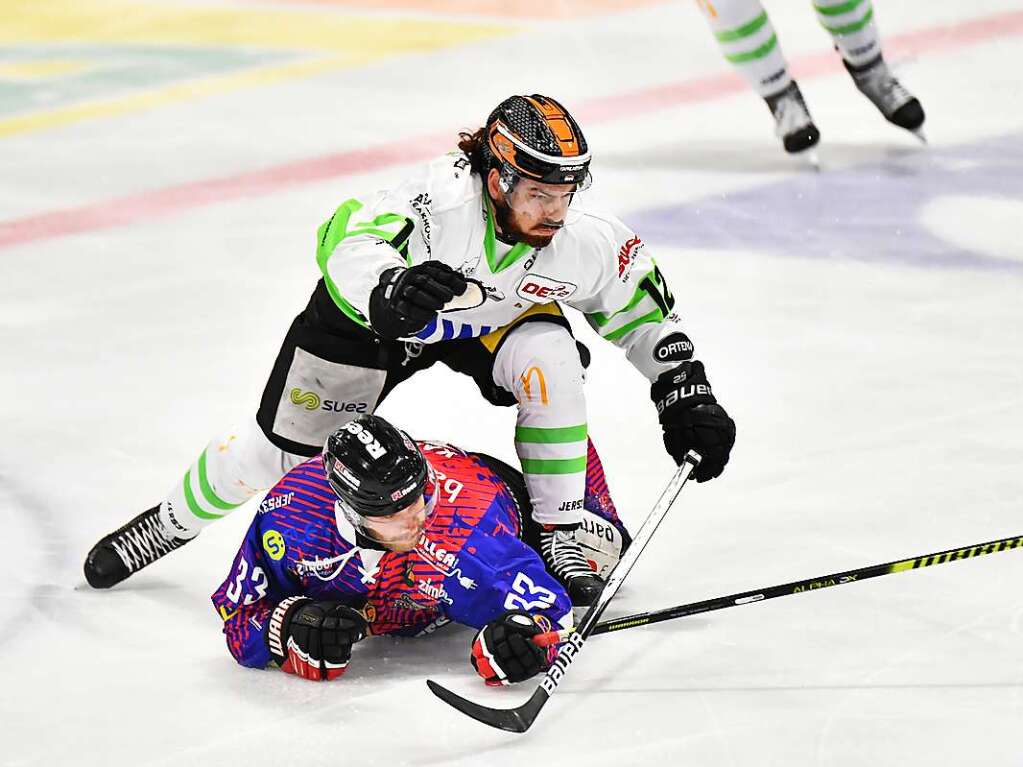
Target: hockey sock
[(230, 470), (851, 25), (540, 364), (747, 39)]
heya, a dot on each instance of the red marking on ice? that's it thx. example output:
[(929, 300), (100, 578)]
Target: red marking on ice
[(161, 202)]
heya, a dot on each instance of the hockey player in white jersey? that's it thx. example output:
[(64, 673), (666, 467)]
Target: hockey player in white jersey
[(748, 40), (467, 263)]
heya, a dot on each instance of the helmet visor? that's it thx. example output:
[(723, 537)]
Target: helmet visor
[(539, 201)]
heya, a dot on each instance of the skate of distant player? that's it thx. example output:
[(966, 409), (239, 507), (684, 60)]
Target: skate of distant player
[(468, 263), (748, 40), (382, 535)]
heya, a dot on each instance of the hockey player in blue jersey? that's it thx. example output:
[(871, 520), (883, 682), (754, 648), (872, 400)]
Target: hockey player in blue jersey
[(380, 535)]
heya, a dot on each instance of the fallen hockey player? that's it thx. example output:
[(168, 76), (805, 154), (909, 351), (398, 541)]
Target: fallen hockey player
[(380, 535)]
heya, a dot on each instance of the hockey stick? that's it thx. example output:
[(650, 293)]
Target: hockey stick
[(520, 718), (796, 587)]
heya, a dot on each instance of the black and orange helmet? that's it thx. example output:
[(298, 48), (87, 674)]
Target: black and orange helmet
[(535, 137)]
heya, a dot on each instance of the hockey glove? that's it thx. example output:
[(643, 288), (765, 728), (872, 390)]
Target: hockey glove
[(503, 650), (314, 639), (405, 300), (692, 419)]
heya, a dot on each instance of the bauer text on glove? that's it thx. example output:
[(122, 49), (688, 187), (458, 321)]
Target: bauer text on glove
[(692, 419)]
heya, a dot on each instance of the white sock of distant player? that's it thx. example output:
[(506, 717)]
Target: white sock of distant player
[(748, 40), (851, 25)]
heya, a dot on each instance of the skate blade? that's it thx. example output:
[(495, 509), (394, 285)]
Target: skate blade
[(919, 133), (811, 158)]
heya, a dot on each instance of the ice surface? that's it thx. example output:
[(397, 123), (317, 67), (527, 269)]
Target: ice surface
[(862, 325)]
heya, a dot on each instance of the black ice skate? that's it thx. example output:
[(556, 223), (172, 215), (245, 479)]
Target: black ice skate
[(899, 107), (565, 561), (793, 123), (128, 549)]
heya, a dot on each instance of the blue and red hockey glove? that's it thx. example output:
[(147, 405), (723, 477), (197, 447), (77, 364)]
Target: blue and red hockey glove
[(314, 639), (504, 652)]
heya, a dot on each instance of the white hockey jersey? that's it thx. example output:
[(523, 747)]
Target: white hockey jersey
[(594, 264)]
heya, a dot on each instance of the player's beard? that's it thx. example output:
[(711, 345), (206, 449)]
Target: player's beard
[(400, 543), (512, 231)]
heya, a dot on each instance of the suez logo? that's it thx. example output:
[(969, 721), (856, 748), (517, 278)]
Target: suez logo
[(538, 289), (311, 401), (674, 348)]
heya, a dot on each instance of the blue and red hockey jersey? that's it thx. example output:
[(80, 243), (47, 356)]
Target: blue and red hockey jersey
[(469, 566)]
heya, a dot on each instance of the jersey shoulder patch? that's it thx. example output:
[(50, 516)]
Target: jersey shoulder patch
[(450, 183)]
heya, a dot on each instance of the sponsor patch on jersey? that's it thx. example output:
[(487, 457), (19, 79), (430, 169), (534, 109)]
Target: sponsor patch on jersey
[(627, 256), (275, 502), (674, 348), (318, 395), (540, 289), (421, 205), (273, 544)]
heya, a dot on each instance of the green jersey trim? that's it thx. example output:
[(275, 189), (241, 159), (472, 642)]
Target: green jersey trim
[(518, 251), (652, 290), (332, 232)]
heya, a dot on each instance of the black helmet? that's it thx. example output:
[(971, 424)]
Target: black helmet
[(374, 468), (535, 137)]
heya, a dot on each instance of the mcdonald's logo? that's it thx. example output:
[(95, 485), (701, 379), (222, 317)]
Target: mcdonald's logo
[(541, 385)]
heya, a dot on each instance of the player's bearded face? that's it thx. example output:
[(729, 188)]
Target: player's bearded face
[(532, 212), (400, 532)]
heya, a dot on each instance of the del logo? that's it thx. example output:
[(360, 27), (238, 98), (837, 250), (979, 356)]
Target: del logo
[(675, 348), (627, 254), (540, 289)]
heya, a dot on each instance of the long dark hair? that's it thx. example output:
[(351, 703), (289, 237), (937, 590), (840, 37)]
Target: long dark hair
[(475, 147)]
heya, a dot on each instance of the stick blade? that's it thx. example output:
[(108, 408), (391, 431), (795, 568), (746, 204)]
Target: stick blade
[(510, 719)]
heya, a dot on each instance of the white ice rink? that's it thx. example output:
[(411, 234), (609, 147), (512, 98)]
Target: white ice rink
[(163, 169)]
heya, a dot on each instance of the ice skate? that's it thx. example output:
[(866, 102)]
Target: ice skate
[(899, 107), (128, 549), (793, 123), (565, 561)]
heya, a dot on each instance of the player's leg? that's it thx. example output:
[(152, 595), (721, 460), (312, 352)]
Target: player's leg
[(602, 535), (851, 25), (325, 374), (539, 363), (748, 40)]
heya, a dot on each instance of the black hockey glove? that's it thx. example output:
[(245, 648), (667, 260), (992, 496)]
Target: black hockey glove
[(503, 651), (314, 639), (692, 419), (407, 299)]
